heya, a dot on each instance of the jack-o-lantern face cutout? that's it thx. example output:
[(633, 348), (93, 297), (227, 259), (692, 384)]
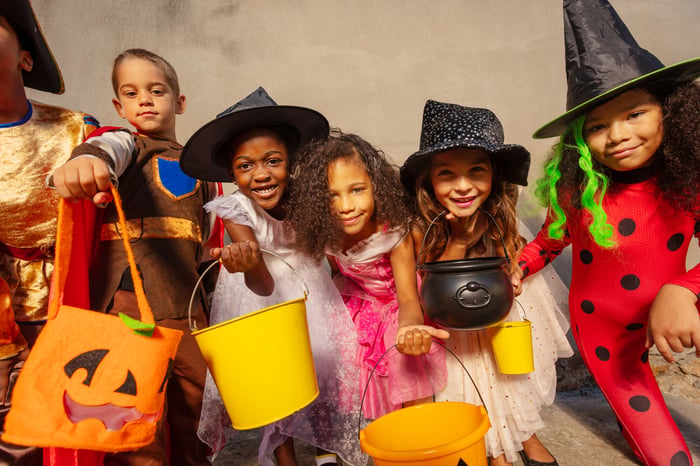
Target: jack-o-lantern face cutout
[(114, 413)]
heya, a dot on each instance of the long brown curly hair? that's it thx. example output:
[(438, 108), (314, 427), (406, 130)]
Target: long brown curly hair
[(500, 204), (676, 163), (309, 213)]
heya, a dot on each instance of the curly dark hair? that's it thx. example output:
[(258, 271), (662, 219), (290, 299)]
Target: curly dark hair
[(309, 213), (500, 204), (676, 163)]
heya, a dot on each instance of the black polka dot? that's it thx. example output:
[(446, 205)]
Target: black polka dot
[(543, 252), (640, 403), (586, 256), (680, 459), (675, 242), (526, 272), (626, 226), (635, 326), (630, 282), (602, 353), (645, 357), (521, 263), (577, 332), (587, 307)]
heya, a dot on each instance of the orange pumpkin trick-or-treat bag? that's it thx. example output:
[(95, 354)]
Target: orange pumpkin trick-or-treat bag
[(92, 380)]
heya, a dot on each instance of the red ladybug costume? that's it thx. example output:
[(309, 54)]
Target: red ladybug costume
[(609, 301)]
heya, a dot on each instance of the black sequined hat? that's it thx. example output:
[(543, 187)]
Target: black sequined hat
[(45, 74), (603, 61), (204, 157), (449, 126)]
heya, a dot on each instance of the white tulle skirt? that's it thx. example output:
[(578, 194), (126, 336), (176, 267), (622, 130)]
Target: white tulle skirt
[(513, 402)]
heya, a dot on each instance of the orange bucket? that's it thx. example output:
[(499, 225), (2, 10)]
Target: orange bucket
[(432, 434)]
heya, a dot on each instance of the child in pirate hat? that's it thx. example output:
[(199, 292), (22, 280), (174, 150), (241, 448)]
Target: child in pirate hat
[(34, 138), (622, 186)]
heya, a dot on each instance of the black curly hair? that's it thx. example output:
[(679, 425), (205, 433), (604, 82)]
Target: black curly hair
[(676, 163), (309, 213)]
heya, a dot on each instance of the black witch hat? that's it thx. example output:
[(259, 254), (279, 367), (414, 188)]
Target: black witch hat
[(204, 156), (603, 61), (450, 126), (45, 74)]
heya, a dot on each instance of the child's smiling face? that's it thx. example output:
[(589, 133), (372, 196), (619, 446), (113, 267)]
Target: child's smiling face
[(352, 198), (259, 165), (12, 58), (145, 99), (461, 179), (624, 133)]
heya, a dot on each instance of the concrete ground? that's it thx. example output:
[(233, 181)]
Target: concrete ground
[(581, 431)]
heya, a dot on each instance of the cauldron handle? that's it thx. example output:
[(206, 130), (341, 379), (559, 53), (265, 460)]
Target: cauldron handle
[(432, 222), (437, 342)]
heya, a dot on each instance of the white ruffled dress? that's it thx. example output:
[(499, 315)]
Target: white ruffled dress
[(331, 421), (513, 402)]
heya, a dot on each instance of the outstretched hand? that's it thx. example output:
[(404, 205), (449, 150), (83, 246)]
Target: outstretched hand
[(84, 178), (415, 340), (674, 322), (239, 257)]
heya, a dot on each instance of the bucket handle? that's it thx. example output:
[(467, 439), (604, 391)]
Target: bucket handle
[(364, 392), (432, 222), (193, 325), (521, 313)]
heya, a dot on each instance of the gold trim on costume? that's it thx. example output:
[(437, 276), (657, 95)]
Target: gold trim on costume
[(154, 227)]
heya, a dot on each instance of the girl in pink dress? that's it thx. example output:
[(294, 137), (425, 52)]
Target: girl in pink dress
[(347, 204)]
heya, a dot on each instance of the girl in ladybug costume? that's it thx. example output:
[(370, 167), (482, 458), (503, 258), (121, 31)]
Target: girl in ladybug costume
[(622, 186)]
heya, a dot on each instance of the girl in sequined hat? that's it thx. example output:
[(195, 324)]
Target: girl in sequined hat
[(462, 176), (622, 186)]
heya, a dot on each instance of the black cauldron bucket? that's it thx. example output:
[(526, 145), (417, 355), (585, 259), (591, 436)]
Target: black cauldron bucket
[(466, 294)]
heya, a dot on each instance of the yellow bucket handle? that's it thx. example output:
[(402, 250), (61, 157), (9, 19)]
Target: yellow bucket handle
[(522, 312), (364, 392), (193, 325)]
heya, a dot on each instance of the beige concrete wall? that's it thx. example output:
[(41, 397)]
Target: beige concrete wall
[(367, 65)]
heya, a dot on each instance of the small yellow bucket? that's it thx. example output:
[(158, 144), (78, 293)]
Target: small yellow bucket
[(433, 434), (512, 347), (261, 362), (446, 433)]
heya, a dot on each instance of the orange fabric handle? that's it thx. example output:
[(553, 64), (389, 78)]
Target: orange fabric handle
[(64, 246)]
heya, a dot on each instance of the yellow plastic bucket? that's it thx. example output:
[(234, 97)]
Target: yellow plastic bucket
[(512, 347), (261, 362), (433, 434)]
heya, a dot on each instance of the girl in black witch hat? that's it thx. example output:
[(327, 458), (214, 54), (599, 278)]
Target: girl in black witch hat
[(623, 188), (462, 175), (254, 144)]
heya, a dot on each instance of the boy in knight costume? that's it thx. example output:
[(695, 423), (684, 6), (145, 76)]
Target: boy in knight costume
[(168, 227)]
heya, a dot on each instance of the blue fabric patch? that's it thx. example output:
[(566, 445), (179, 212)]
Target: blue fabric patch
[(174, 179)]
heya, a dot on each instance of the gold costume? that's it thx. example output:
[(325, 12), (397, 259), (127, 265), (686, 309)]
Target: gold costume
[(29, 152)]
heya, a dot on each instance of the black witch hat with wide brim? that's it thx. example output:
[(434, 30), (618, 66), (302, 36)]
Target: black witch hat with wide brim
[(45, 74), (603, 61), (451, 126), (204, 157)]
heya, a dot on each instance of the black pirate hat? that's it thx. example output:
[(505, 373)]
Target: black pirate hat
[(45, 74), (603, 61)]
